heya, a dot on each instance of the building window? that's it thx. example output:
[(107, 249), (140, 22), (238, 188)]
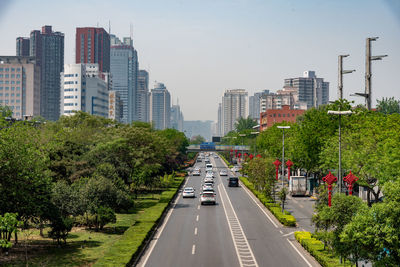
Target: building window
[(18, 88), (279, 115), (274, 114), (292, 115), (1, 75), (283, 115), (18, 69), (12, 69), (12, 75)]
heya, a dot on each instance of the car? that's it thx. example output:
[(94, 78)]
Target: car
[(209, 175), (235, 169), (188, 192), (233, 182), (208, 198), (208, 187), (223, 173), (197, 169), (216, 156), (209, 180), (195, 173), (199, 160), (209, 167)]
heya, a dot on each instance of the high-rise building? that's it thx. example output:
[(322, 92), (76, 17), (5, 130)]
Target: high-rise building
[(115, 106), (83, 89), (22, 46), (143, 97), (160, 107), (20, 86), (287, 96), (176, 118), (195, 128), (93, 46), (234, 107), (47, 47), (255, 105), (219, 128), (124, 71), (312, 90)]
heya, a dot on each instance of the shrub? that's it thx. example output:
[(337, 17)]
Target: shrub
[(60, 227), (104, 215)]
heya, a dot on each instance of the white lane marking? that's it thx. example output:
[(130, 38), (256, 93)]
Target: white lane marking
[(193, 249), (198, 207), (280, 231), (160, 230), (237, 233), (288, 234), (195, 231), (197, 218), (301, 255), (301, 206), (261, 208)]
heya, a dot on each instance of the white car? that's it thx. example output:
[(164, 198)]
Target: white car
[(196, 173), (208, 187), (208, 180), (223, 173), (188, 192), (209, 175), (208, 198)]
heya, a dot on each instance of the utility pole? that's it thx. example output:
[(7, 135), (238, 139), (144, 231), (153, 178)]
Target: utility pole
[(368, 75), (341, 72)]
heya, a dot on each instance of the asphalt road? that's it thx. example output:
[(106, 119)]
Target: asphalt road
[(234, 232)]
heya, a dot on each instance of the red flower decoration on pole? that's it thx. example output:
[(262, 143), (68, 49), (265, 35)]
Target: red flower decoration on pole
[(350, 179), (277, 163), (251, 156), (259, 156), (289, 164), (329, 179)]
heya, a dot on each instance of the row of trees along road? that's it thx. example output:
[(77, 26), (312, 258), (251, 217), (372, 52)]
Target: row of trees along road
[(370, 149), (80, 169)]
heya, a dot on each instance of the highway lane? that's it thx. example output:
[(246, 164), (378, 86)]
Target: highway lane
[(196, 235)]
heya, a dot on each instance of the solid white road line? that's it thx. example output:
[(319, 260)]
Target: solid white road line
[(197, 218), (288, 234), (280, 231), (301, 206), (195, 231), (258, 205), (301, 255), (193, 249), (198, 207)]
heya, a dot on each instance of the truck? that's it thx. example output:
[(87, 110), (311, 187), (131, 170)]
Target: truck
[(298, 186)]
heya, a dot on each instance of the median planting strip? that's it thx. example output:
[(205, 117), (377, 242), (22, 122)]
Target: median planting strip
[(125, 250)]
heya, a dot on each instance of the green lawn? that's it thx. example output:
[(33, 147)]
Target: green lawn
[(85, 247)]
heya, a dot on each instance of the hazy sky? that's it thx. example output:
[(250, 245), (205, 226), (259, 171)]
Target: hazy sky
[(200, 48)]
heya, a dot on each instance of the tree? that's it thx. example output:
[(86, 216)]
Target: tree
[(197, 140), (244, 124), (8, 225), (388, 105), (261, 173)]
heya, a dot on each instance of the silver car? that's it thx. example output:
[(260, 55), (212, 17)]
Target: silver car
[(208, 198), (188, 192), (223, 173)]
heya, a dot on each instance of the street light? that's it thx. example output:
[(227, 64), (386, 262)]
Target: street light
[(255, 143), (283, 151), (242, 135), (340, 113)]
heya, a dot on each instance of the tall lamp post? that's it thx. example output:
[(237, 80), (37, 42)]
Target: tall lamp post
[(340, 113), (255, 143), (283, 151), (242, 135)]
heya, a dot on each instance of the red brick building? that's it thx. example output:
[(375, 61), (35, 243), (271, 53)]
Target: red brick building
[(272, 116)]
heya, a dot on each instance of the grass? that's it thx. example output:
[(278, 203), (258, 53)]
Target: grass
[(85, 247)]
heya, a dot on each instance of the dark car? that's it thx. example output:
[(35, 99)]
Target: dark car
[(233, 182)]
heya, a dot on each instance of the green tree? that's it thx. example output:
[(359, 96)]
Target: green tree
[(388, 105), (197, 140), (261, 173), (244, 124), (8, 225)]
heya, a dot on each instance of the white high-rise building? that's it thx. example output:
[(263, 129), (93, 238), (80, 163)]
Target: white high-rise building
[(160, 107), (143, 97), (234, 107), (84, 88), (255, 105)]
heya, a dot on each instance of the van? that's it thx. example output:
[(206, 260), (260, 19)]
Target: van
[(233, 182)]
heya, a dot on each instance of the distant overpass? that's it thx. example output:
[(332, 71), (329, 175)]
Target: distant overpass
[(196, 148)]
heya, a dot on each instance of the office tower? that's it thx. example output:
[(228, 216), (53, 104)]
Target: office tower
[(22, 46), (20, 86), (160, 102), (195, 128), (176, 118), (47, 47), (84, 89), (255, 105), (312, 90), (115, 106), (219, 130), (287, 96), (124, 70), (93, 46), (234, 107), (143, 97)]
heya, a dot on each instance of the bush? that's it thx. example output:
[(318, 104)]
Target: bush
[(60, 227), (104, 215), (316, 249)]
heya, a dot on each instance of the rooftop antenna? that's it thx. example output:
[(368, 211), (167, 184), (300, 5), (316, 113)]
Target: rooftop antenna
[(131, 31), (109, 27)]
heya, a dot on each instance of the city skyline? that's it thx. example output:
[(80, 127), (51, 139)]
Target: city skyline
[(202, 48)]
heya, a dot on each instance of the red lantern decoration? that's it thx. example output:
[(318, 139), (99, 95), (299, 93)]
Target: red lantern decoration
[(240, 154), (350, 179), (329, 179), (289, 164), (277, 163), (251, 156), (259, 156)]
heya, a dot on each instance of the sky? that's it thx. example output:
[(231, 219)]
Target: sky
[(200, 48)]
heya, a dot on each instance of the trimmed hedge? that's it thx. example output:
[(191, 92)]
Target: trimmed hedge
[(128, 246), (316, 248), (284, 218), (224, 159)]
